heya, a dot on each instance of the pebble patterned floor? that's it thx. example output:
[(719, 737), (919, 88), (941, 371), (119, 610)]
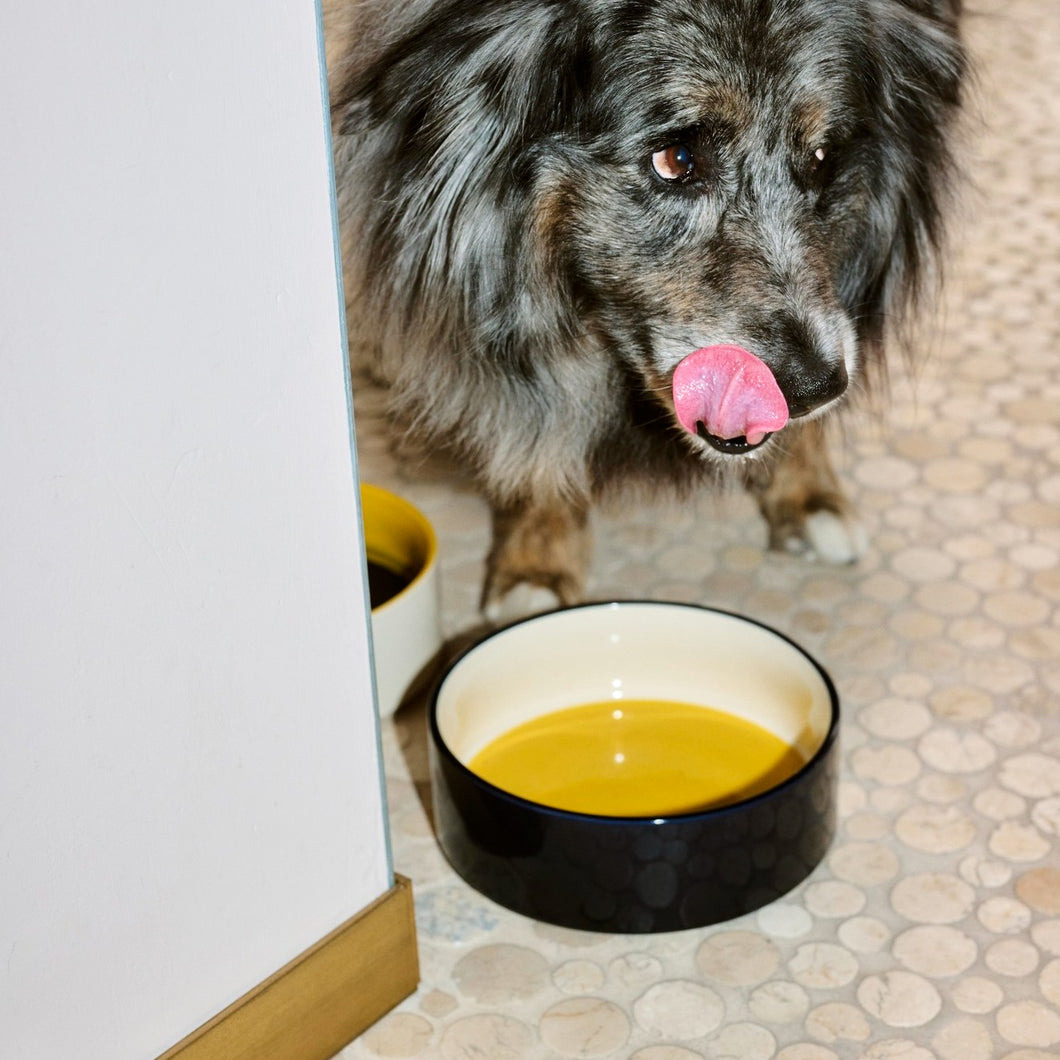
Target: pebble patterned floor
[(932, 930)]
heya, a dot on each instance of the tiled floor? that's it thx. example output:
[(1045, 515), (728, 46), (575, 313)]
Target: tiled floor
[(933, 927)]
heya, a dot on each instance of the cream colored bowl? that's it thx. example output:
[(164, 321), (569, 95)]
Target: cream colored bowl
[(406, 626)]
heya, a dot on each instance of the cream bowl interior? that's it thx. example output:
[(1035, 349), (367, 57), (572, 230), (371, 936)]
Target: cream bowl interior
[(634, 650)]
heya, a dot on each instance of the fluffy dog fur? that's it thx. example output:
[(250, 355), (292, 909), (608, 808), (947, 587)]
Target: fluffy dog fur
[(526, 280)]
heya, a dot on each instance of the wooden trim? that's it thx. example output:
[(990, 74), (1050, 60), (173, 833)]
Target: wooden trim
[(319, 1002)]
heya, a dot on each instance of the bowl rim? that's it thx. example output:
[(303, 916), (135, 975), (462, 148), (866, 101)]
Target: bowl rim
[(714, 813)]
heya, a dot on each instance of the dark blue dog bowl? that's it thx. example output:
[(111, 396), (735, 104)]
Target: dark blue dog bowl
[(634, 874)]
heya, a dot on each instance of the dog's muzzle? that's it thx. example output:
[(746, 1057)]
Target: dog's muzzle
[(729, 398), (806, 395), (730, 446)]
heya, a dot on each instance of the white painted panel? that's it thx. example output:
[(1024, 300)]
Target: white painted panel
[(189, 778)]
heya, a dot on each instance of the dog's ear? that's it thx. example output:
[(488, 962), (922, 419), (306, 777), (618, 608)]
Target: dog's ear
[(444, 140), (512, 60), (918, 73), (947, 12)]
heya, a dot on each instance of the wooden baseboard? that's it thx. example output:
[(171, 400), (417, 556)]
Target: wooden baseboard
[(325, 997)]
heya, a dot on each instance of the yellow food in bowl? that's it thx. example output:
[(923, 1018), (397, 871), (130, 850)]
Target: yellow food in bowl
[(636, 758)]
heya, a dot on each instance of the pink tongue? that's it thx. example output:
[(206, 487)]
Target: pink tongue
[(731, 392)]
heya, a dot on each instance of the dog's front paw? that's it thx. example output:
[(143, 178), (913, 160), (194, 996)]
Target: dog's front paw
[(520, 602), (830, 536), (803, 503), (537, 561)]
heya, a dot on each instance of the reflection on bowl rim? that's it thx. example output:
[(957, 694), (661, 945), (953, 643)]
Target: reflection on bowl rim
[(823, 748)]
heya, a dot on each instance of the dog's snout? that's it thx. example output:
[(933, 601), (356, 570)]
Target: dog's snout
[(808, 387), (809, 356)]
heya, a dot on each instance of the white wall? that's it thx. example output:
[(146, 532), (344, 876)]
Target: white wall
[(189, 778)]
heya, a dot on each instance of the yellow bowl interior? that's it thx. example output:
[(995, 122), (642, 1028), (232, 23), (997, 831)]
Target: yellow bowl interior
[(397, 535)]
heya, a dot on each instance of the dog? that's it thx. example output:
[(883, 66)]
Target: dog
[(589, 243)]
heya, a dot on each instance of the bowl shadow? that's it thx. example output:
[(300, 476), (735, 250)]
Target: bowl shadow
[(410, 719)]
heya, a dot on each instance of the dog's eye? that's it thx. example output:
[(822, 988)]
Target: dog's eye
[(675, 163), (820, 167), (816, 169)]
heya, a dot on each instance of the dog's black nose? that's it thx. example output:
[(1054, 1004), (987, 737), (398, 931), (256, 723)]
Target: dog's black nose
[(808, 387)]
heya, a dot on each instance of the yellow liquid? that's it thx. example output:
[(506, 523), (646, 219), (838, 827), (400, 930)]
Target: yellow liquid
[(636, 758)]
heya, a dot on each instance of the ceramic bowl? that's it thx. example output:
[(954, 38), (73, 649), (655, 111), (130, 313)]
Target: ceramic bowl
[(648, 873), (402, 556)]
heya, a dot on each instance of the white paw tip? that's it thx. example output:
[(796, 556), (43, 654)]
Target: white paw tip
[(835, 539), (524, 600)]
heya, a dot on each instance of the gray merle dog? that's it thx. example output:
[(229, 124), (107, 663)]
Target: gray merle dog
[(593, 242)]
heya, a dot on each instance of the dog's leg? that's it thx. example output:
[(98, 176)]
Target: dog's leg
[(803, 501), (538, 558)]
